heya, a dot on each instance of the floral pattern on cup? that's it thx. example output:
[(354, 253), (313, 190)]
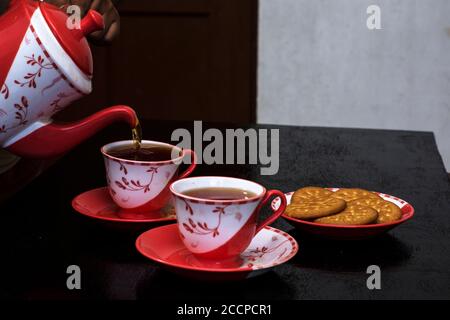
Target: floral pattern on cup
[(216, 223), (136, 184), (219, 228), (136, 187), (202, 227)]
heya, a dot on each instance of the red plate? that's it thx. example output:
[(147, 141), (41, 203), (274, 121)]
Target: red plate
[(269, 248), (350, 232), (98, 204)]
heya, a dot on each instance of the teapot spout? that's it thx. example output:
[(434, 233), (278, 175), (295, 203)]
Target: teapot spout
[(55, 139)]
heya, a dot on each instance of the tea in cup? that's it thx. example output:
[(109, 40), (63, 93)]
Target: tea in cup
[(139, 178), (218, 216)]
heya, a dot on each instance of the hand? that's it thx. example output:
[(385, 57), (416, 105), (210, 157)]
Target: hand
[(105, 8)]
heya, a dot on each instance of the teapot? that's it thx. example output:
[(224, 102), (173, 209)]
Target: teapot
[(45, 65)]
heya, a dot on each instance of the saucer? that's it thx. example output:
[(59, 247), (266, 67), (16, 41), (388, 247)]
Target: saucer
[(348, 232), (98, 204), (269, 248)]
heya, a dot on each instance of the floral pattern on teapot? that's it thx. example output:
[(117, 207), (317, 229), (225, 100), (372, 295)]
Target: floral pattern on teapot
[(34, 89)]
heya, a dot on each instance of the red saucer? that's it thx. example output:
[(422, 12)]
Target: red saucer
[(269, 248), (97, 204), (348, 232)]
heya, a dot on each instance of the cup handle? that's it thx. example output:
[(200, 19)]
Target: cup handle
[(274, 216), (192, 166)]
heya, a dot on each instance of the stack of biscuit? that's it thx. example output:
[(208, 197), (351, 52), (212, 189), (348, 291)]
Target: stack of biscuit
[(344, 207)]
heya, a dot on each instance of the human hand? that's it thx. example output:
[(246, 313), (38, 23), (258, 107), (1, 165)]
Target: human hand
[(106, 8)]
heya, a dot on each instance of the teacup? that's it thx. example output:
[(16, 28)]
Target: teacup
[(143, 186), (215, 229)]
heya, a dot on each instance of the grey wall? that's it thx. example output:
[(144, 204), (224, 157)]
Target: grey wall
[(319, 65)]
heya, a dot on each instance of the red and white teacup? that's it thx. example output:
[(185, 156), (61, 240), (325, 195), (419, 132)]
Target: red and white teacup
[(221, 229), (143, 186)]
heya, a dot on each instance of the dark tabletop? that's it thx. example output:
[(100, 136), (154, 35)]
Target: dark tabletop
[(41, 235)]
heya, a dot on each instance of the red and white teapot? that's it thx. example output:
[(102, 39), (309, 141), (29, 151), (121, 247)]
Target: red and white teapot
[(44, 66)]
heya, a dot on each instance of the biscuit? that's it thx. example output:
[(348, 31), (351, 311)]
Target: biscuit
[(311, 209), (352, 215), (353, 194), (310, 193), (387, 211)]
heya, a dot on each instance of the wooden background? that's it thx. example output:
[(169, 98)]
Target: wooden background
[(180, 60)]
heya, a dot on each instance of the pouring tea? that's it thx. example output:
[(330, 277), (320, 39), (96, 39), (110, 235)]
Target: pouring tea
[(45, 67)]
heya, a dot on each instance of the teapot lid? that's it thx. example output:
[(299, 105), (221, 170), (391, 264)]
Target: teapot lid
[(73, 40)]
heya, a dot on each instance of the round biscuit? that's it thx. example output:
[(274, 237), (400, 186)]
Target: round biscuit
[(352, 215), (313, 209), (387, 211), (310, 193), (350, 194)]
